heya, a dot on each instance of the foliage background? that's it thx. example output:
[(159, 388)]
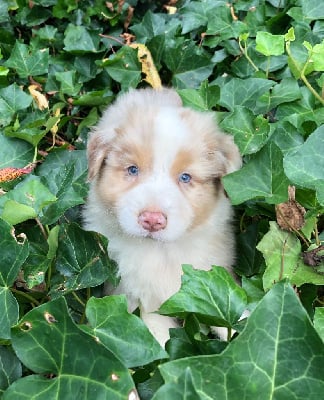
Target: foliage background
[(258, 64)]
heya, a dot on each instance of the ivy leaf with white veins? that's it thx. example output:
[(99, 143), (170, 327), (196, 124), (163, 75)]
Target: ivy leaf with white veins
[(282, 253), (243, 92), (27, 61), (82, 259), (255, 365), (305, 166), (212, 295), (262, 178), (250, 132), (14, 252), (12, 99), (66, 361), (122, 333)]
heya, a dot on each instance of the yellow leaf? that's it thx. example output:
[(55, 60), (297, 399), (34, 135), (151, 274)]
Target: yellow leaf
[(148, 68), (54, 128), (39, 98), (170, 9)]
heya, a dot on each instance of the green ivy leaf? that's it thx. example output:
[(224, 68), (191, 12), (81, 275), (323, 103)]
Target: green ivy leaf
[(79, 39), (196, 14), (68, 82), (243, 92), (14, 251), (250, 132), (319, 321), (154, 25), (312, 9), (269, 44), (250, 258), (261, 178), (15, 213), (189, 64), (122, 333), (282, 253), (30, 193), (203, 99), (212, 295), (65, 359), (286, 137), (82, 259), (27, 61), (305, 166), (15, 152), (65, 174), (255, 364), (317, 56), (284, 92), (12, 99), (124, 67), (10, 368), (220, 23)]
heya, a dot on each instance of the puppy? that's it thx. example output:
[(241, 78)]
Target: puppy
[(155, 170)]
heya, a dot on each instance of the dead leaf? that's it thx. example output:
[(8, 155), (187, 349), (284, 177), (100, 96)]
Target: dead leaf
[(10, 173), (171, 10), (290, 215), (312, 257), (39, 98), (148, 68)]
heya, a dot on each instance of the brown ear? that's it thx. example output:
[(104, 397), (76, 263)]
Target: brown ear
[(97, 152), (232, 160)]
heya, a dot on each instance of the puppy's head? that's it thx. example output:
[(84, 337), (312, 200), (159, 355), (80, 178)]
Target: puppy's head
[(156, 166)]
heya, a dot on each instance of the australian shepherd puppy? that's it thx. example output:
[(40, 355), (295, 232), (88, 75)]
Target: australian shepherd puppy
[(155, 170)]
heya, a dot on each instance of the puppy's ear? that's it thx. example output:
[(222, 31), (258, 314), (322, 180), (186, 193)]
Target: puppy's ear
[(97, 152), (229, 154)]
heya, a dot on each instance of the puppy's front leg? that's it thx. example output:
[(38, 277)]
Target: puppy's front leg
[(159, 325)]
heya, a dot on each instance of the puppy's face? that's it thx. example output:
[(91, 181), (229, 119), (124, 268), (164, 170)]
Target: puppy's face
[(159, 172)]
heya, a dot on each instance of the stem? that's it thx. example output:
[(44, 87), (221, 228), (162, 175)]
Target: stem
[(310, 87), (282, 265), (41, 227), (317, 239), (26, 296), (268, 67), (112, 38), (244, 51), (242, 222), (229, 334), (88, 293), (35, 154), (77, 298), (302, 74)]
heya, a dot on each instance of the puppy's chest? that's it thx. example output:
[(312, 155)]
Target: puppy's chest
[(151, 261)]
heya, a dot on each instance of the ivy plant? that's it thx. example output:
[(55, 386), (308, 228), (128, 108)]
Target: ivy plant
[(259, 66)]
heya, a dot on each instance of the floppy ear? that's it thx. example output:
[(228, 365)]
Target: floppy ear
[(97, 151), (229, 153)]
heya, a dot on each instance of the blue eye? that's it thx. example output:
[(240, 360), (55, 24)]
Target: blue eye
[(133, 170), (185, 178)]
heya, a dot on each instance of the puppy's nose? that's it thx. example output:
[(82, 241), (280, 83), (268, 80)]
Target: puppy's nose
[(152, 221)]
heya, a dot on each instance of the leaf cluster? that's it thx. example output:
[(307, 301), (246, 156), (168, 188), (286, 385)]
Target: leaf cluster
[(259, 66)]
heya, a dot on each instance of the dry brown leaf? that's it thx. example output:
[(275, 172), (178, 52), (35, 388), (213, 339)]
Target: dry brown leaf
[(290, 215)]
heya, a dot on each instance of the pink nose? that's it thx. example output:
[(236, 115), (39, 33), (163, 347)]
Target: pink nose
[(152, 221)]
